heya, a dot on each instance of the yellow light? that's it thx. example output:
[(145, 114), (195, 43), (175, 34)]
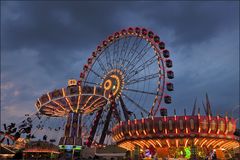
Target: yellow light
[(79, 97), (154, 131), (145, 143), (203, 143), (152, 143), (87, 101), (59, 105), (209, 117), (226, 130), (196, 141), (94, 90), (144, 132), (118, 84), (92, 104), (218, 143), (209, 130), (168, 143), (107, 84), (210, 143), (139, 144), (186, 142), (165, 131), (159, 143), (129, 133), (72, 82), (49, 96), (66, 98), (122, 134), (137, 133)]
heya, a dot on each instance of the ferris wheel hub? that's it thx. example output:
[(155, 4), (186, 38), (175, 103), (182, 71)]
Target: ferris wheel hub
[(113, 81)]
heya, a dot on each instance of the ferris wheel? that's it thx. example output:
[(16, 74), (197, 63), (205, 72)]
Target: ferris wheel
[(135, 67)]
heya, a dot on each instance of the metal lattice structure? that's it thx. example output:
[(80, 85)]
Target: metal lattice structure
[(135, 67)]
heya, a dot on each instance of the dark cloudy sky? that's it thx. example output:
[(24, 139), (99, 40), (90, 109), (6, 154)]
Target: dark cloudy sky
[(43, 44)]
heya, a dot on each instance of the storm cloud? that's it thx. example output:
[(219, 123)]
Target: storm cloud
[(43, 44)]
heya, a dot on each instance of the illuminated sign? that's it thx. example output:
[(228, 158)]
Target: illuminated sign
[(72, 82), (70, 147)]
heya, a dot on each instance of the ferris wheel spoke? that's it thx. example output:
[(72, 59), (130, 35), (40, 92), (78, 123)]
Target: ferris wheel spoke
[(144, 78), (120, 62), (91, 83), (136, 104), (140, 91), (134, 51), (91, 70), (139, 57), (101, 65), (126, 50), (116, 52), (124, 108), (108, 55), (147, 63)]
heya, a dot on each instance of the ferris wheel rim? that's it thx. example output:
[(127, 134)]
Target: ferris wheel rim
[(150, 38)]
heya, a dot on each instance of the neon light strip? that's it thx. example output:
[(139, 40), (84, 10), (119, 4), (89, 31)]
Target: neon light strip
[(165, 131), (49, 96), (186, 130), (196, 141), (154, 131), (216, 141), (152, 143), (199, 129), (79, 97), (92, 104), (144, 131), (59, 105), (135, 121), (53, 108), (87, 101), (64, 95), (69, 96), (203, 143), (40, 104), (209, 143), (68, 102), (225, 144), (139, 144), (129, 130), (94, 90), (159, 143), (218, 144), (186, 142), (145, 142), (168, 143)]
